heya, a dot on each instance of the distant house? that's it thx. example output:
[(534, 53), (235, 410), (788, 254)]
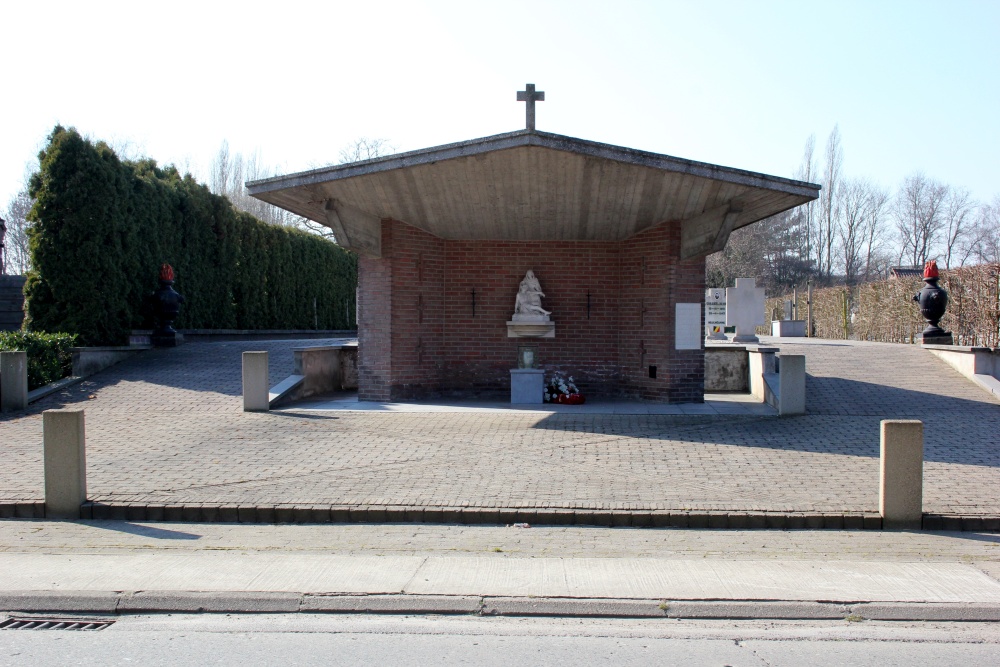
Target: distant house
[(906, 272), (11, 302)]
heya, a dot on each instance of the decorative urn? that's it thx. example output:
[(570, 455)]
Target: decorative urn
[(166, 306), (933, 301)]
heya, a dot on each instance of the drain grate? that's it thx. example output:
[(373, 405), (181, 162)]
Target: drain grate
[(52, 624)]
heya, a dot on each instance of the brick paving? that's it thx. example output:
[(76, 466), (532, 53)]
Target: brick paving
[(167, 428)]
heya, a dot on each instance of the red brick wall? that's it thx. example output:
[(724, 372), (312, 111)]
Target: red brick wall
[(654, 281), (479, 353), (419, 336)]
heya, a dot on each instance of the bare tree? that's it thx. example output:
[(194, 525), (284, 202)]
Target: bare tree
[(807, 172), (829, 198), (854, 214), (877, 261), (767, 250), (228, 177), (16, 257), (365, 148), (958, 213), (919, 216), (984, 241)]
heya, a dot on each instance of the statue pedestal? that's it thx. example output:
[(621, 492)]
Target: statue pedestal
[(527, 326), (527, 385), (943, 338), (166, 338)]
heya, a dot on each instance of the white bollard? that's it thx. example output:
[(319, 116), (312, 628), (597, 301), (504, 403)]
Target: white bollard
[(13, 381), (65, 459), (901, 473), (255, 382)]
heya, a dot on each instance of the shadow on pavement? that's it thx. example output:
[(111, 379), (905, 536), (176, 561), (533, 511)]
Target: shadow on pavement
[(143, 531)]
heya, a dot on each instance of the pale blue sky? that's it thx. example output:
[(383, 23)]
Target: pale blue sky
[(913, 85)]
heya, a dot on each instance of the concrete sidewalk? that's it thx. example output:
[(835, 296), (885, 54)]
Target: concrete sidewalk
[(123, 567)]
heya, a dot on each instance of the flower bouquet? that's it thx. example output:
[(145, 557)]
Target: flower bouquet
[(562, 389)]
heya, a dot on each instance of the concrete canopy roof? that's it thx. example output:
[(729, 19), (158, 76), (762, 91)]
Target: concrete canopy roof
[(531, 185)]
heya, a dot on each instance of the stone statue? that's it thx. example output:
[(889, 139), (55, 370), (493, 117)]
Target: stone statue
[(528, 304)]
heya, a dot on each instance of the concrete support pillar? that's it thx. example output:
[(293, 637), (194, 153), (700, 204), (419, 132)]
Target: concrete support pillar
[(65, 463), (901, 473), (256, 382), (760, 361), (792, 384), (13, 381)]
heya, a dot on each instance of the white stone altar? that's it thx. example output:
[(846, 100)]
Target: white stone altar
[(745, 309)]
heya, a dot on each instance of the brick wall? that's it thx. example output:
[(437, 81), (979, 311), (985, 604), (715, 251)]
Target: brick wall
[(421, 336)]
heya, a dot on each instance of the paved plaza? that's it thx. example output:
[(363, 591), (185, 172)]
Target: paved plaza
[(167, 427)]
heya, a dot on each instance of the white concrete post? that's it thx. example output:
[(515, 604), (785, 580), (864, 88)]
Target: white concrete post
[(13, 381), (901, 473), (792, 384), (760, 361), (65, 463), (255, 382)]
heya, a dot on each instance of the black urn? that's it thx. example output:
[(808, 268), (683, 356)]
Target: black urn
[(933, 301), (166, 306)]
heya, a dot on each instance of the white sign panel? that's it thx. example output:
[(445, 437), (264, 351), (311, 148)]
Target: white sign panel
[(687, 326)]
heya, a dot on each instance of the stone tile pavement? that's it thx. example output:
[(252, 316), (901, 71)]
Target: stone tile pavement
[(167, 427)]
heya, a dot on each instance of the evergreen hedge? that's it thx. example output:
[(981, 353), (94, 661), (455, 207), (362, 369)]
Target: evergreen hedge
[(102, 227), (49, 356)]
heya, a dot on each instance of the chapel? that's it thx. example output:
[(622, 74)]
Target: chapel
[(615, 238)]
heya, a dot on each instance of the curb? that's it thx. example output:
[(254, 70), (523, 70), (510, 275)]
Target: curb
[(482, 516), (470, 516), (238, 602), (716, 520)]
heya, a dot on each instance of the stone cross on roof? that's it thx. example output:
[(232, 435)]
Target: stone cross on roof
[(530, 96)]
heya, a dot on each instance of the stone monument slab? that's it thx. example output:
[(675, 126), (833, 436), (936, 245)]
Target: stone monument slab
[(745, 309), (715, 314)]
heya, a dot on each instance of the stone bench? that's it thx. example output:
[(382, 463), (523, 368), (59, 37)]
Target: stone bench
[(319, 369)]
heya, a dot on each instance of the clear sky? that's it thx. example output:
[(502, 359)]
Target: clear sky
[(913, 85)]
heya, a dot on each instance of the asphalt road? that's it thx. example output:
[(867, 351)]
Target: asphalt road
[(399, 640)]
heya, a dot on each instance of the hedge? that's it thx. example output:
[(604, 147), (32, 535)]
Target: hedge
[(103, 226), (49, 356), (884, 310)]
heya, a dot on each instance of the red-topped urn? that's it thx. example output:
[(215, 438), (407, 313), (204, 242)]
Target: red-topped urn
[(933, 301), (166, 305)]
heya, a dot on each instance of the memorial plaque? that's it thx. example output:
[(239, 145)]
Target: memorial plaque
[(715, 314)]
